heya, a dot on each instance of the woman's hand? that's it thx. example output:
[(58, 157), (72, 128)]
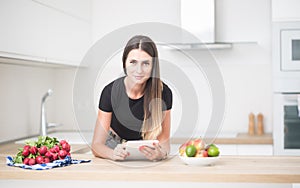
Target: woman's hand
[(119, 153), (154, 153)]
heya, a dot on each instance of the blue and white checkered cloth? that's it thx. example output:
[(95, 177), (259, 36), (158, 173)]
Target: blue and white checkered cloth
[(57, 163)]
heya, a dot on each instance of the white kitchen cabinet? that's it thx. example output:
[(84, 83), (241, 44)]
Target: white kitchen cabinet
[(81, 9), (23, 28), (227, 149), (67, 38), (296, 185), (246, 149), (285, 10), (244, 21), (38, 31), (255, 149)]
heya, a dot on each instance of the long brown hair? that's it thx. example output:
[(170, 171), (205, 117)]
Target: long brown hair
[(153, 115)]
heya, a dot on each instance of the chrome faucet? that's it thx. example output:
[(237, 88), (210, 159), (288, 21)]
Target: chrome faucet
[(44, 124)]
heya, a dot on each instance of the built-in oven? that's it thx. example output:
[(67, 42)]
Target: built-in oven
[(287, 124), (286, 87)]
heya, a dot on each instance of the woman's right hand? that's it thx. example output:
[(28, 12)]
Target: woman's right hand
[(119, 153)]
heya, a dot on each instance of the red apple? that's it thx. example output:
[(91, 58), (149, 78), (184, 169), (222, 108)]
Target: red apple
[(182, 148), (205, 154), (199, 144), (202, 153)]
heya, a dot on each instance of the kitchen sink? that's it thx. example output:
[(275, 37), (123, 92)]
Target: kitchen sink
[(71, 137)]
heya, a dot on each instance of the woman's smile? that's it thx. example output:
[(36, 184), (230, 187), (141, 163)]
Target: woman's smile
[(139, 77)]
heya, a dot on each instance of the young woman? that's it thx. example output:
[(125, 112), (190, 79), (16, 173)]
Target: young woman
[(134, 107)]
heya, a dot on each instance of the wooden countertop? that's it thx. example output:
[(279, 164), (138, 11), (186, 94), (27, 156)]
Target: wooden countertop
[(263, 169), (241, 138)]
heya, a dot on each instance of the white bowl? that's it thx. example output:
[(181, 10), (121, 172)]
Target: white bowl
[(200, 161)]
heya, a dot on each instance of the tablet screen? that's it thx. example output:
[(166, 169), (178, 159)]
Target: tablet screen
[(133, 148)]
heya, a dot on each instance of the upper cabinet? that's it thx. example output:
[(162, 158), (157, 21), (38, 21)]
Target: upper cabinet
[(285, 10), (243, 21), (46, 31), (109, 16)]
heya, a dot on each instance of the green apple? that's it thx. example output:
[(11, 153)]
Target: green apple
[(213, 151)]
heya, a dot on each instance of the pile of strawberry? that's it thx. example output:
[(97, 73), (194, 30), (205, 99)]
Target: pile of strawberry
[(46, 149)]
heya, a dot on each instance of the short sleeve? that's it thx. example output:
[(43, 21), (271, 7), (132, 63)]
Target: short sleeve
[(105, 99), (167, 97)]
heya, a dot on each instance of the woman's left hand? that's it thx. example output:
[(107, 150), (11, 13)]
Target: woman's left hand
[(154, 153)]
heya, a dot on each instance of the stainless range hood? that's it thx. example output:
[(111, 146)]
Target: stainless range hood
[(198, 18)]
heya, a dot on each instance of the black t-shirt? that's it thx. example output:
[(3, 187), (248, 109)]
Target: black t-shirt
[(127, 113)]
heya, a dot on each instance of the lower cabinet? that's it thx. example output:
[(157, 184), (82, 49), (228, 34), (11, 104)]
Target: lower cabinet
[(246, 149), (255, 149), (227, 149)]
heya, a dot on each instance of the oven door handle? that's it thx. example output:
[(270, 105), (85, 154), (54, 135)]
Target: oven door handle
[(292, 98)]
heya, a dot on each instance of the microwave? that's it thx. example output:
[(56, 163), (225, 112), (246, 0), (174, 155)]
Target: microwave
[(290, 50), (286, 57)]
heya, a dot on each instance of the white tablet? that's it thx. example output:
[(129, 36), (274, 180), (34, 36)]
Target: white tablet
[(133, 148)]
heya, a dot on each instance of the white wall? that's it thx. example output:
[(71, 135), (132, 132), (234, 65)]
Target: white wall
[(110, 15), (63, 88), (22, 88), (246, 68), (21, 91)]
